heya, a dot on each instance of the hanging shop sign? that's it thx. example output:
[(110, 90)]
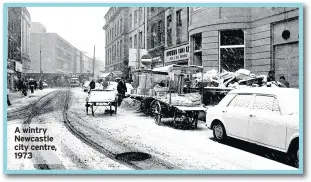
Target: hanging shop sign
[(177, 53)]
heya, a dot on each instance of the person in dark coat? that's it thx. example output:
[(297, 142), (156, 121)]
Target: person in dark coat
[(283, 81), (92, 85), (32, 85), (121, 88), (271, 76), (36, 84), (8, 99)]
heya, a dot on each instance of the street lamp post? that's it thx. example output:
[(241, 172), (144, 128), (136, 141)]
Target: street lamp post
[(40, 56)]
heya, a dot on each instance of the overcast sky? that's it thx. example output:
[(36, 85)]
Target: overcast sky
[(82, 27)]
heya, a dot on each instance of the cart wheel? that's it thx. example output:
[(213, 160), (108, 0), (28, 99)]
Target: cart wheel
[(92, 110), (87, 108), (195, 120), (157, 113)]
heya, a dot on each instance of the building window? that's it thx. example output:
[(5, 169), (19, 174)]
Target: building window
[(135, 41), (169, 31), (115, 30), (118, 53), (131, 21), (160, 32), (140, 14), (131, 42), (141, 46), (135, 18), (197, 40), (121, 50), (152, 9), (153, 35), (231, 50), (121, 26), (178, 27)]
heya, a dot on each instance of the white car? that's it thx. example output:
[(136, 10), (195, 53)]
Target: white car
[(264, 116)]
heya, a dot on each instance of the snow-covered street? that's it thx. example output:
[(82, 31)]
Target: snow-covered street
[(128, 140)]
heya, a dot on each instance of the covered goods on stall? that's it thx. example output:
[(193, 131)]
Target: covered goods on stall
[(219, 84)]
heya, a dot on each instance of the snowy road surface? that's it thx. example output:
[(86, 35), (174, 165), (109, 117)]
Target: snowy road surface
[(128, 140)]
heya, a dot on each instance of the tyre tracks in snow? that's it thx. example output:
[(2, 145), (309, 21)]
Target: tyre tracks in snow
[(113, 149)]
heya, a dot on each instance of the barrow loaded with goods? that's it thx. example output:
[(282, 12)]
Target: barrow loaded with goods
[(162, 94), (102, 97)]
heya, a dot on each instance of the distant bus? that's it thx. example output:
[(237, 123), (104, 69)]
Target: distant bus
[(74, 82)]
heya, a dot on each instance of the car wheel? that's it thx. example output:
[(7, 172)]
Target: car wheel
[(295, 155), (219, 132)]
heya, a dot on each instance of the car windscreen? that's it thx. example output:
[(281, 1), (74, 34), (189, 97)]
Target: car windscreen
[(289, 104)]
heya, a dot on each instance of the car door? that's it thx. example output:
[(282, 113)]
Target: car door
[(236, 115), (266, 124)]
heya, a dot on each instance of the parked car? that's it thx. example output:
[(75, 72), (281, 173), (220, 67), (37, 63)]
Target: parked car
[(263, 116), (45, 85), (86, 86), (74, 82)]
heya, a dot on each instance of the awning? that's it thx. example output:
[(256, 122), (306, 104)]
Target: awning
[(104, 75), (179, 67)]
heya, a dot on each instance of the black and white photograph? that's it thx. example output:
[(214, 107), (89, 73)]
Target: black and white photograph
[(147, 89)]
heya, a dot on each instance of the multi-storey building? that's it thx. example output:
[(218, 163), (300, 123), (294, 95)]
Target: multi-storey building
[(25, 39), (18, 43), (117, 48), (137, 30), (14, 63), (156, 34), (37, 27), (176, 36), (50, 53), (258, 39)]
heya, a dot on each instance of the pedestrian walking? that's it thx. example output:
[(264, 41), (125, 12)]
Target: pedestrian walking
[(8, 99), (36, 84), (283, 81), (40, 84), (24, 88), (121, 88), (92, 85), (32, 85)]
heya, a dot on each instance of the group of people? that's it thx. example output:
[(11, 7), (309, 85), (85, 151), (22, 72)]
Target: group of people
[(23, 85)]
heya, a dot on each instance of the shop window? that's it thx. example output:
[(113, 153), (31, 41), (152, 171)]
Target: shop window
[(231, 50)]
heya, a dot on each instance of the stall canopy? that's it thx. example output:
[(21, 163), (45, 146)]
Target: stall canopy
[(104, 75), (178, 67)]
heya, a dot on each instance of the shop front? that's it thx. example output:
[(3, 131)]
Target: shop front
[(178, 55)]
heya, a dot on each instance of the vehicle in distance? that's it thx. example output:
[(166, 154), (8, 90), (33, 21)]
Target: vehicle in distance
[(263, 116), (74, 82)]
